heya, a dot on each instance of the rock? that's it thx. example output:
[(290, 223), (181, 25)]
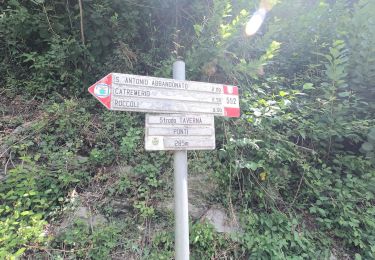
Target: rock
[(92, 219), (4, 151), (221, 222), (2, 175), (339, 253), (121, 170), (22, 128), (200, 189), (196, 211), (13, 137), (98, 219), (81, 213), (121, 206), (166, 205), (82, 159), (332, 256)]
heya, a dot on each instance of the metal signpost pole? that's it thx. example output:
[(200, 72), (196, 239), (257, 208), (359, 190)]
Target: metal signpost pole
[(181, 188)]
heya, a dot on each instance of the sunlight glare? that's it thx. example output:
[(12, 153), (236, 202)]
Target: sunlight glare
[(255, 21)]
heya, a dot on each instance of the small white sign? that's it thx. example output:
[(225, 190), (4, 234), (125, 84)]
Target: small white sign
[(179, 132)]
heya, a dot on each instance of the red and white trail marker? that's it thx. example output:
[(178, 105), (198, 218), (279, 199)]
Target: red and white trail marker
[(125, 92)]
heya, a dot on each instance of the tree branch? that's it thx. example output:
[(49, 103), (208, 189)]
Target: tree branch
[(81, 15)]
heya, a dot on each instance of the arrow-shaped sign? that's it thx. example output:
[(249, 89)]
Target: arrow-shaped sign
[(127, 92)]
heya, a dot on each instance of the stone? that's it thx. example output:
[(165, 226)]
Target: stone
[(220, 220), (121, 206), (196, 211), (22, 128), (92, 219), (82, 213), (200, 189), (98, 219), (2, 175), (332, 256), (339, 253), (4, 151)]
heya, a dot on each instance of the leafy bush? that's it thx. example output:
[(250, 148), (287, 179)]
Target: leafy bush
[(206, 243), (87, 244), (276, 235), (303, 123)]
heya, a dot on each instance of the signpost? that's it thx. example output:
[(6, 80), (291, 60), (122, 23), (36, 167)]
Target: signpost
[(186, 123), (181, 210), (126, 92), (179, 131)]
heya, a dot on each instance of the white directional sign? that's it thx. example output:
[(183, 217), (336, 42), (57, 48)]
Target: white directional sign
[(126, 92), (179, 132)]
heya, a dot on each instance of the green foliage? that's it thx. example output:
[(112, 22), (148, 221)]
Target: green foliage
[(47, 75), (147, 185), (162, 246), (121, 187), (117, 137), (130, 142), (205, 242), (89, 245), (344, 205), (275, 235), (39, 57), (301, 116), (23, 209), (46, 166)]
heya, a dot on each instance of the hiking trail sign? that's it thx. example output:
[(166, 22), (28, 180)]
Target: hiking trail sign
[(182, 119), (125, 92)]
